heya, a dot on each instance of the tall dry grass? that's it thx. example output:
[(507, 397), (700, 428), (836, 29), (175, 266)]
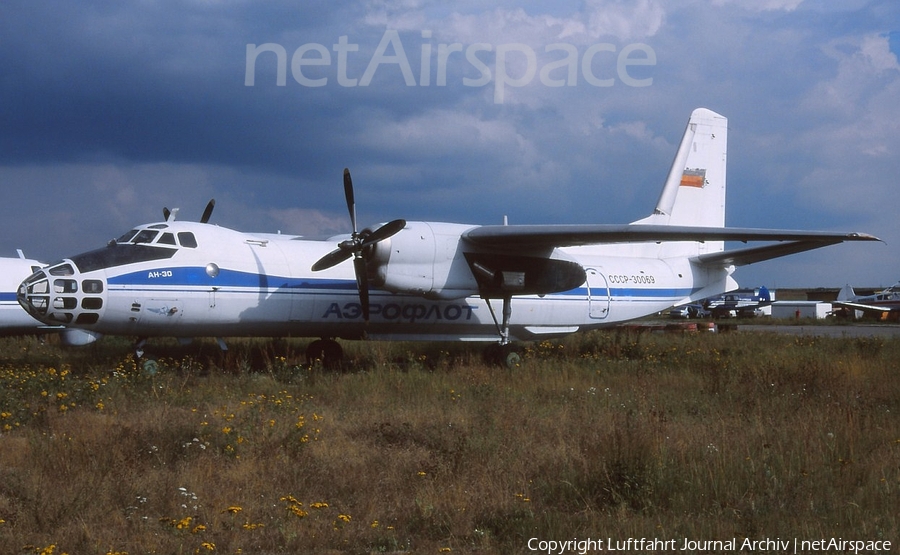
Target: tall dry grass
[(422, 448)]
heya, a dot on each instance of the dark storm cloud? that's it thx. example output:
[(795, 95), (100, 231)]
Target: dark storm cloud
[(111, 110)]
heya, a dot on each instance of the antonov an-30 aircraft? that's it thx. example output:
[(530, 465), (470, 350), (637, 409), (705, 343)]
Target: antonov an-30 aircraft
[(419, 280)]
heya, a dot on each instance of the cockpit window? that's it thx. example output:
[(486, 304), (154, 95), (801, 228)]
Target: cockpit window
[(127, 237), (167, 239), (145, 236), (187, 239), (119, 255)]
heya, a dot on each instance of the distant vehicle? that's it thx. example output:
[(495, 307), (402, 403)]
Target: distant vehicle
[(689, 311), (884, 304), (744, 303)]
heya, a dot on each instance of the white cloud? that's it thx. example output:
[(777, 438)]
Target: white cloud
[(624, 20), (595, 19), (761, 5)]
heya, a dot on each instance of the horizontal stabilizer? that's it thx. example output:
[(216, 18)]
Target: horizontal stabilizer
[(742, 257)]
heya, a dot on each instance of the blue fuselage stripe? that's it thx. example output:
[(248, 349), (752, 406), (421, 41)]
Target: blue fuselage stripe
[(185, 278)]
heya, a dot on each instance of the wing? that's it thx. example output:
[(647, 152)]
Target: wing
[(865, 307), (548, 236)]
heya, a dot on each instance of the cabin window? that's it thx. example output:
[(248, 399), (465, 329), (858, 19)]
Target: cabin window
[(87, 318), (167, 239), (92, 303), (65, 303), (187, 239), (92, 286), (65, 286)]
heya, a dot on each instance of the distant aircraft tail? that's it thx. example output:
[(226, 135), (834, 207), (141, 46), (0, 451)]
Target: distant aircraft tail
[(846, 293), (694, 192)]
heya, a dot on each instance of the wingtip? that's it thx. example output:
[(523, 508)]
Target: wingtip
[(856, 236)]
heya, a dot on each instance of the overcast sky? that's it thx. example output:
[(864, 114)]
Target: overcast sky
[(548, 112)]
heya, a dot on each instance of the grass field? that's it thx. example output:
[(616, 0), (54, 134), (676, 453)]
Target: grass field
[(422, 448)]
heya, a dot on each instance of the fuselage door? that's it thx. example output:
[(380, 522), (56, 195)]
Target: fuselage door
[(598, 294)]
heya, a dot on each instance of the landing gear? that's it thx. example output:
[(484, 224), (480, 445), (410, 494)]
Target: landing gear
[(326, 351), (138, 347), (504, 353), (508, 356), (145, 363)]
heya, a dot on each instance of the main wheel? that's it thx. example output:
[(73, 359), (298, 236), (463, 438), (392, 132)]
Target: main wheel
[(508, 356), (326, 351)]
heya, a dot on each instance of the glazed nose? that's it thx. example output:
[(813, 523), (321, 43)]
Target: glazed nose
[(57, 296)]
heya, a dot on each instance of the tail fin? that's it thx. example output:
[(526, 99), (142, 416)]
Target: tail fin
[(846, 293), (694, 192)]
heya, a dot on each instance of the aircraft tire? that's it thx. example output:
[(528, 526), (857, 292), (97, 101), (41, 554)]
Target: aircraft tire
[(326, 351), (507, 356), (149, 366)]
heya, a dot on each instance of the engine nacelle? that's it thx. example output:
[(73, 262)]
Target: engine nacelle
[(424, 259), (429, 259)]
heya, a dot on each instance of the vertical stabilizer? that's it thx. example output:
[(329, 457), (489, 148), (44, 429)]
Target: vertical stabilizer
[(694, 191), (846, 293)]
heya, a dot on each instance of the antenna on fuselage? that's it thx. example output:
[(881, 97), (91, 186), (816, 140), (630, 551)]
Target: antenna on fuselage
[(169, 215)]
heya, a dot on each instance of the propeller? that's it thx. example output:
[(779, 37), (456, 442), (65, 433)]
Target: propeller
[(357, 246), (169, 215), (208, 211)]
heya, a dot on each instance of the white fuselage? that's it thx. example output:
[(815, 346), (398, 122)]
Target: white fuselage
[(239, 284), (14, 320)]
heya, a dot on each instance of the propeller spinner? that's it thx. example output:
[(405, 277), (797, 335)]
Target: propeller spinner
[(356, 246)]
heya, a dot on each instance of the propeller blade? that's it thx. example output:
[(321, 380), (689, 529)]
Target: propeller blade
[(348, 194), (355, 247), (362, 284), (208, 212), (166, 213), (333, 258), (383, 232)]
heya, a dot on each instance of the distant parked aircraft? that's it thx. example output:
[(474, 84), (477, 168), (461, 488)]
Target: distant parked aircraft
[(885, 304), (739, 303), (14, 320)]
